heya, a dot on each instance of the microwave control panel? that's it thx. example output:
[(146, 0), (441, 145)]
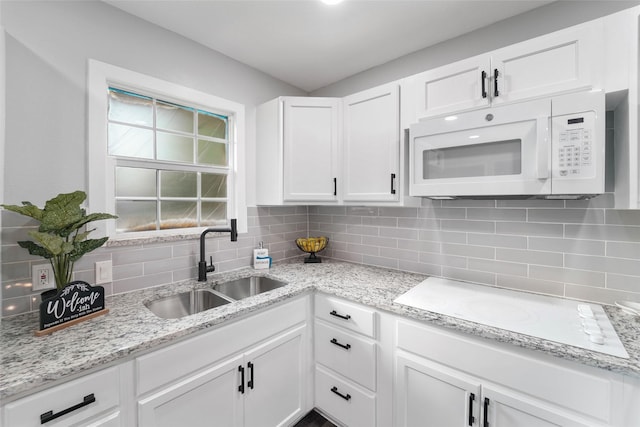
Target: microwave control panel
[(573, 146)]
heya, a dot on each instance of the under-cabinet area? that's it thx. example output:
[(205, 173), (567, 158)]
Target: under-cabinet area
[(335, 342)]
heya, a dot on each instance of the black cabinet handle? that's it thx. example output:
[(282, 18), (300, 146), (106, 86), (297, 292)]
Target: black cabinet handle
[(335, 313), (483, 75), (345, 346), (486, 412), (344, 396), (495, 82), (335, 186), (49, 416), (241, 386), (393, 178), (472, 419), (250, 383)]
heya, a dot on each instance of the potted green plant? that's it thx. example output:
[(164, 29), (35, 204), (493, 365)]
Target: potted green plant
[(62, 235)]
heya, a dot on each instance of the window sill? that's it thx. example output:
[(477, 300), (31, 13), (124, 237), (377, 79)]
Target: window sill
[(122, 241)]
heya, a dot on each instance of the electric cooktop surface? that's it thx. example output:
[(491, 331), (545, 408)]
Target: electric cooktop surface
[(561, 320)]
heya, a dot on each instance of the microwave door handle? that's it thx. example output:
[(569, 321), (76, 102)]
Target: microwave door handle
[(543, 147)]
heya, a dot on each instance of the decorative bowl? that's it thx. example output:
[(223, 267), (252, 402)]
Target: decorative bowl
[(312, 245)]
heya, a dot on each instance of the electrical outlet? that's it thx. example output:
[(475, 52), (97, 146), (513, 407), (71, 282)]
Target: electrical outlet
[(42, 277), (103, 272)]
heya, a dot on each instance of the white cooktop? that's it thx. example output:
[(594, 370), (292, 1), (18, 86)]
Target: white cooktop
[(555, 319)]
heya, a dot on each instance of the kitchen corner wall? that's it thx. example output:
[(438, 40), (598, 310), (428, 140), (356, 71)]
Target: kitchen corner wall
[(146, 265), (575, 249)]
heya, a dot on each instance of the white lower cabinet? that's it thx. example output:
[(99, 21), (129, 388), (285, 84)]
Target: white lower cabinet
[(97, 399), (448, 379), (256, 374), (346, 354)]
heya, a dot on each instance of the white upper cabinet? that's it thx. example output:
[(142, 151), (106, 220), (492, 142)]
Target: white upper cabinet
[(371, 146), (560, 62), (297, 143), (454, 87), (564, 61), (311, 132)]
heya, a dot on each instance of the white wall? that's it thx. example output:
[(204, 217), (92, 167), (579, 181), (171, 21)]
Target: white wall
[(48, 45), (546, 19)]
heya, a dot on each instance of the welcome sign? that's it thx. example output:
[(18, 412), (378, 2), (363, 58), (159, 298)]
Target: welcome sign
[(76, 302)]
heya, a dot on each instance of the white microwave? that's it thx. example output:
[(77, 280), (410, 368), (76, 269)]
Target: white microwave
[(545, 148)]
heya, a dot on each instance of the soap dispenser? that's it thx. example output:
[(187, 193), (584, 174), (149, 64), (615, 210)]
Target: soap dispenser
[(261, 258)]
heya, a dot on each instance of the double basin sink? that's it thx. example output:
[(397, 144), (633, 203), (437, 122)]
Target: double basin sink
[(197, 300)]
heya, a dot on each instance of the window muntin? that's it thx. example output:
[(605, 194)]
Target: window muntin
[(171, 163)]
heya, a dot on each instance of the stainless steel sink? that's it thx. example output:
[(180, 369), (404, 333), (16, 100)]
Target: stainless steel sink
[(186, 303), (248, 286)]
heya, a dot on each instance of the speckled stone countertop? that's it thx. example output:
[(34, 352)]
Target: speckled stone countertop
[(30, 363)]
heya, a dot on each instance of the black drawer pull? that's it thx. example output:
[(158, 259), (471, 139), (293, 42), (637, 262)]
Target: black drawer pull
[(393, 189), (345, 346), (496, 92), (49, 416), (335, 313), (241, 386), (344, 396), (483, 77), (250, 383), (472, 419), (486, 412)]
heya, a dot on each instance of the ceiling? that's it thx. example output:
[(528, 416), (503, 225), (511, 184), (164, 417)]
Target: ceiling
[(311, 45)]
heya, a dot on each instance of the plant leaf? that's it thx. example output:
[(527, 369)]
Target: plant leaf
[(81, 248), (27, 209), (87, 219), (55, 244), (35, 249), (61, 212)]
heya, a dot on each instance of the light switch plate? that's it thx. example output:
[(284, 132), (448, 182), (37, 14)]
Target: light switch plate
[(42, 277), (103, 272)]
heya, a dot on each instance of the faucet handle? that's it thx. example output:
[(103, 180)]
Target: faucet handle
[(211, 267)]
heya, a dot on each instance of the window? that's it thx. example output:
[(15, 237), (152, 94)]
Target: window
[(162, 157), (172, 163)]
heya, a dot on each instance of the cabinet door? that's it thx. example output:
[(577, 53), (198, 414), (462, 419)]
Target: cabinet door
[(460, 86), (564, 61), (210, 398), (276, 381), (371, 145), (504, 408), (431, 395), (311, 132)]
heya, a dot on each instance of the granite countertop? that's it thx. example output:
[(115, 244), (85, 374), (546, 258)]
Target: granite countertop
[(31, 363)]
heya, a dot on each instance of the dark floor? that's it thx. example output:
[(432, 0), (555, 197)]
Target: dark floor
[(314, 419)]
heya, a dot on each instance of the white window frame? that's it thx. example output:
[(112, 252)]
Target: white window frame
[(101, 166)]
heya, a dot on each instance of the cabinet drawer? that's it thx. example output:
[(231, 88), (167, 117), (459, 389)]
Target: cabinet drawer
[(346, 315), (103, 385), (553, 380), (348, 354), (347, 403)]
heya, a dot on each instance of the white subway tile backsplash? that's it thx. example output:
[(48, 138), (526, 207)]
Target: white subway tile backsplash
[(465, 275), (553, 259), (443, 236), (623, 217), (585, 247), (499, 267), (497, 240), (605, 264), (603, 232), (471, 226), (623, 283), (530, 229), (623, 250), (567, 275), (493, 214), (469, 250), (531, 285), (578, 216), (380, 241)]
